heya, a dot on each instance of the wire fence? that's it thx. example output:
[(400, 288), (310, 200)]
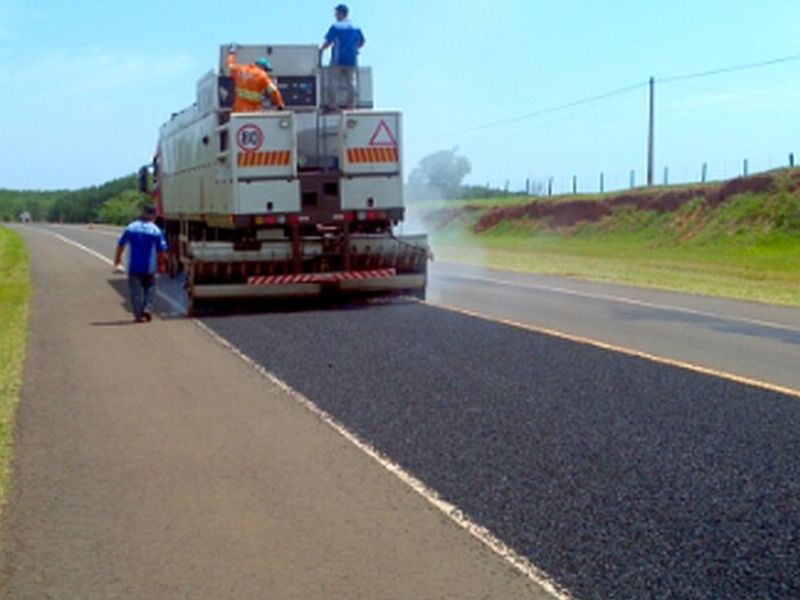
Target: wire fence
[(612, 181), (583, 181)]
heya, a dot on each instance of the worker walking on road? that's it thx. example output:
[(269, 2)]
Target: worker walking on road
[(347, 40), (251, 81), (145, 258)]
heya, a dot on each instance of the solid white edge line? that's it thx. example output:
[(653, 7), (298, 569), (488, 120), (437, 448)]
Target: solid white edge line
[(623, 300), (78, 245), (519, 562), (482, 534), (590, 295)]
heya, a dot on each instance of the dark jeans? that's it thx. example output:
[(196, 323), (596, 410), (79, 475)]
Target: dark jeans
[(142, 289)]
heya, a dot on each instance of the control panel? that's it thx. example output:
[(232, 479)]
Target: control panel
[(298, 92)]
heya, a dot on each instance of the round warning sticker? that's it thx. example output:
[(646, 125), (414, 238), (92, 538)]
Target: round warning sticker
[(249, 138)]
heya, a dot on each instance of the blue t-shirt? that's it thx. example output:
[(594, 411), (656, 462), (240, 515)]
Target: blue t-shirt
[(346, 39), (146, 240)]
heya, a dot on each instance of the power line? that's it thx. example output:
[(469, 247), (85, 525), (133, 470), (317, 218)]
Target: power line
[(744, 67), (548, 110), (617, 92), (741, 94)]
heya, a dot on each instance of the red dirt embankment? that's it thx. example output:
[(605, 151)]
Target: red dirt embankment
[(569, 212)]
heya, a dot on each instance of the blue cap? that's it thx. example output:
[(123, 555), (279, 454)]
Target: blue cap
[(264, 64)]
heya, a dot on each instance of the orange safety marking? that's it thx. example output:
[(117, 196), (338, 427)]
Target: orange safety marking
[(372, 155), (277, 158)]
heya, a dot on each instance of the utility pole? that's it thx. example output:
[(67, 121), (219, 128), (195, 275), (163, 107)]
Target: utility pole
[(651, 133)]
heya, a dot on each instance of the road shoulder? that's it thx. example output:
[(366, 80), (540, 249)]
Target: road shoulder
[(151, 462)]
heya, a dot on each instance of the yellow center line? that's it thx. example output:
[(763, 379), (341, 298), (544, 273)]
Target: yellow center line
[(627, 351)]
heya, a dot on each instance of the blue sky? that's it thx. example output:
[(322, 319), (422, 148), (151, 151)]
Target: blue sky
[(86, 84)]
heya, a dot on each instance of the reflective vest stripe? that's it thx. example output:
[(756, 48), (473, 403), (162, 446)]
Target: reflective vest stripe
[(249, 95)]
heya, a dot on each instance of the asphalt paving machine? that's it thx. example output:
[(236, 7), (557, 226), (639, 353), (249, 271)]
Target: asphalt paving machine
[(285, 204)]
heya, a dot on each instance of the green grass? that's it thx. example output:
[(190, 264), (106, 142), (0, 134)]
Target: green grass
[(746, 248), (15, 290)]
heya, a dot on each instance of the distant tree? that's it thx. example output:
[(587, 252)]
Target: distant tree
[(123, 208), (441, 173), (84, 204)]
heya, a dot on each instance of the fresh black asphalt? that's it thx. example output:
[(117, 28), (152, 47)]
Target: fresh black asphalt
[(619, 477)]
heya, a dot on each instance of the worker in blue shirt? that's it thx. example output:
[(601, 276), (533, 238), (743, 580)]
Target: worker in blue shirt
[(145, 258), (346, 40)]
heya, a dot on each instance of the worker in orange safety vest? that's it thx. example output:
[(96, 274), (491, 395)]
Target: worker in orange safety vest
[(251, 81)]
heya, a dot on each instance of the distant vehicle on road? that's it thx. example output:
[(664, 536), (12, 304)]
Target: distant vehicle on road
[(25, 217)]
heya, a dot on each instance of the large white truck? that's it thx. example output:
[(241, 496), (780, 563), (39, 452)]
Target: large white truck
[(286, 203)]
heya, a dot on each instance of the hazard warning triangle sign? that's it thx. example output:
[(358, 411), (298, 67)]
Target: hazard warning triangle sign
[(383, 136)]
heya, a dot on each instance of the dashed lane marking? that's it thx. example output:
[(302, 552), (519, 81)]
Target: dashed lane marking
[(506, 553)]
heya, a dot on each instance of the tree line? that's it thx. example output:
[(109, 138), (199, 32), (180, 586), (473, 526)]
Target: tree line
[(439, 175), (116, 202)]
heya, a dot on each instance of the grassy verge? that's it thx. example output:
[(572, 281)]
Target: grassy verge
[(15, 291), (762, 275), (747, 247)]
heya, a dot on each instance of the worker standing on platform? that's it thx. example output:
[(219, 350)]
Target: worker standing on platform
[(145, 258), (347, 40), (251, 81)]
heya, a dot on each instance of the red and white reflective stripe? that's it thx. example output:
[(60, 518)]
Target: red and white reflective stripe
[(322, 277)]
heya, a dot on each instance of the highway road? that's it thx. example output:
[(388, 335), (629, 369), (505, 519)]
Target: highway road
[(625, 443)]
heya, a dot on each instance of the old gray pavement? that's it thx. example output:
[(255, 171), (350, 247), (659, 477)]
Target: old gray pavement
[(150, 462)]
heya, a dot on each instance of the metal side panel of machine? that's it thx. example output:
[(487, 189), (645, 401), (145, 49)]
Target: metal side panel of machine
[(372, 193), (263, 162), (262, 145), (187, 162), (370, 143)]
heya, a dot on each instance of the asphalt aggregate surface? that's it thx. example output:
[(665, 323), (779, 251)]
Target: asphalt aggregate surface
[(618, 476)]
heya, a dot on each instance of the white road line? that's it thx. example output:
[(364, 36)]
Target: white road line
[(598, 296), (517, 561), (630, 301), (78, 245), (176, 306)]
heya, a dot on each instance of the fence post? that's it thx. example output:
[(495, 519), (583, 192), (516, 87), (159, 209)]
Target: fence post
[(666, 175), (527, 186), (791, 159), (744, 167), (650, 135), (574, 184), (602, 183), (633, 178), (550, 186), (704, 173)]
